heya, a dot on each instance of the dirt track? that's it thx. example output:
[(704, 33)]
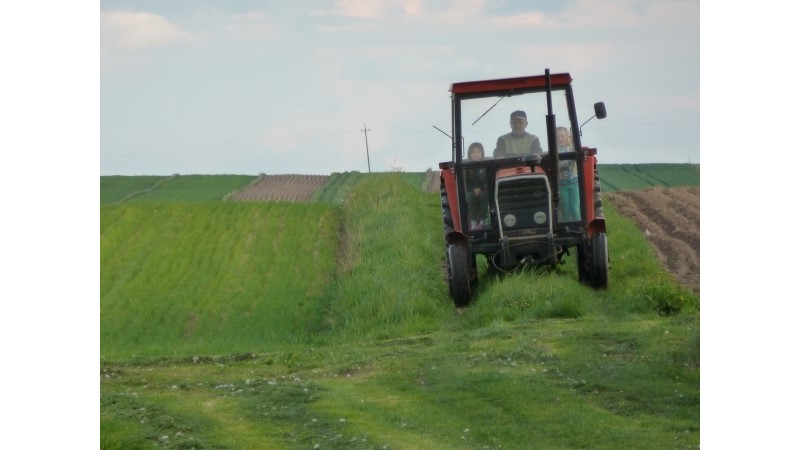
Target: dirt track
[(670, 218)]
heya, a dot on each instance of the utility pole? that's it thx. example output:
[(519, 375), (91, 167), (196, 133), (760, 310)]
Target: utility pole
[(367, 143)]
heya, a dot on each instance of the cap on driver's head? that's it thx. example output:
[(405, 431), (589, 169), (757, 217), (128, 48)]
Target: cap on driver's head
[(519, 115)]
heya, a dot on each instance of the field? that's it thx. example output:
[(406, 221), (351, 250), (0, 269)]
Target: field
[(633, 177), (327, 324)]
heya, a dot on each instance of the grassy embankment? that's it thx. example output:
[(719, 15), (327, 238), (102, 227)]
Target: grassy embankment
[(233, 325)]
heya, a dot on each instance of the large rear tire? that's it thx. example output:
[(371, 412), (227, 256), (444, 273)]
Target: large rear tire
[(599, 272), (598, 197), (584, 251), (458, 271), (447, 214)]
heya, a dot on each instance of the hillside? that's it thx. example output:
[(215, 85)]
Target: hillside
[(327, 324)]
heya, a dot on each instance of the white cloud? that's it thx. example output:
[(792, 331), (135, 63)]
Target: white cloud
[(251, 25), (370, 9), (528, 19), (126, 30)]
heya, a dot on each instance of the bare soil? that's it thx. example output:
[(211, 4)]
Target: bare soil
[(670, 219), (288, 188)]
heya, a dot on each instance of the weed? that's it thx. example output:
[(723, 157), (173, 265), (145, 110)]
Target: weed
[(664, 296)]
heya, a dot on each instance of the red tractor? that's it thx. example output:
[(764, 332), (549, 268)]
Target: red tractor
[(520, 201)]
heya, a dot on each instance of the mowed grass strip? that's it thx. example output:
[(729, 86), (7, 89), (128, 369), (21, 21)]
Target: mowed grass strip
[(187, 279)]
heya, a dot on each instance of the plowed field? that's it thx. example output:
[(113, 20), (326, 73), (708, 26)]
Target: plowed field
[(670, 219), (288, 188)]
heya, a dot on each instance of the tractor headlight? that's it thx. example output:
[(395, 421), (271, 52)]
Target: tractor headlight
[(540, 217), (510, 220)]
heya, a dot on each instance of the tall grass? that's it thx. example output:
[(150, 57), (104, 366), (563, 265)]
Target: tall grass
[(389, 278)]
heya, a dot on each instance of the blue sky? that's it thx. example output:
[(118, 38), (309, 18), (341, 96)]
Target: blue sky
[(286, 87)]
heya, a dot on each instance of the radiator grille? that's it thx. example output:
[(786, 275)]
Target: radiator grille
[(523, 205)]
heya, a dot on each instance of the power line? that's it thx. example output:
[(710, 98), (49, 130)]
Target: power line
[(367, 143)]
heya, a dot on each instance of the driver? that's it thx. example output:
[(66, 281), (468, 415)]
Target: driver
[(519, 142)]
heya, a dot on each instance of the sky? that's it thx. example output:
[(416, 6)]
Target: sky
[(249, 87)]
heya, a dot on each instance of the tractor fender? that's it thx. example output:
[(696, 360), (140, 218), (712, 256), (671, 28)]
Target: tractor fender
[(456, 238), (597, 225)]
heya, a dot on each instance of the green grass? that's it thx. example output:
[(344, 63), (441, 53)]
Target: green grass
[(381, 359)]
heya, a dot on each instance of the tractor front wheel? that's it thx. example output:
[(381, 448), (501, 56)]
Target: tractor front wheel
[(458, 271)]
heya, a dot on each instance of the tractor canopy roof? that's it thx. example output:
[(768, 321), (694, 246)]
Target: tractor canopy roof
[(504, 84)]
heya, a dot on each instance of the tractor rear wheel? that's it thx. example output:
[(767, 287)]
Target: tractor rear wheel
[(584, 251), (447, 214), (458, 274), (599, 271)]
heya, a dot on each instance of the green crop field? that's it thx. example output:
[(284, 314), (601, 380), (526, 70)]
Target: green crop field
[(329, 325), (116, 188), (185, 188), (631, 177), (212, 277)]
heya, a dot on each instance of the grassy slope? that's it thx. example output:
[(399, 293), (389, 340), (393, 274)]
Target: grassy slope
[(216, 277), (537, 360)]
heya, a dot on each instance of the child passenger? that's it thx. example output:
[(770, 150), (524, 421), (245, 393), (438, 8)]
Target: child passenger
[(570, 203), (477, 197)]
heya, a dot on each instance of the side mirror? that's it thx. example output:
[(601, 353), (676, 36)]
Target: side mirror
[(600, 110)]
